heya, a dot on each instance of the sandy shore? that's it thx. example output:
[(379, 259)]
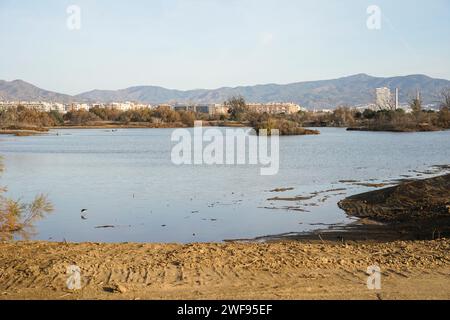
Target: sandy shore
[(23, 133), (281, 270)]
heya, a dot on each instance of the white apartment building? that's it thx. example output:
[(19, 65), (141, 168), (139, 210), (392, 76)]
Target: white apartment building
[(212, 109), (60, 107), (275, 108), (79, 106), (36, 105), (63, 108), (383, 98), (141, 106), (4, 105), (218, 109), (122, 106)]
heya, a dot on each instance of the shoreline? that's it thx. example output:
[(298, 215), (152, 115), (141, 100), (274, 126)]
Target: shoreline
[(300, 131), (401, 229), (308, 130), (327, 265), (397, 130), (23, 132), (400, 212)]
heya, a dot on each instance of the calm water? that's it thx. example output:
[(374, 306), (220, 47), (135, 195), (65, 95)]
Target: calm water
[(126, 179)]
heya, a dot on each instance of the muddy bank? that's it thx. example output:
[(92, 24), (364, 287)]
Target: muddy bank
[(412, 210), (367, 231), (418, 209), (418, 200)]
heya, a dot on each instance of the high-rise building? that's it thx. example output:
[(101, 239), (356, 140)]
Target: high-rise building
[(383, 98)]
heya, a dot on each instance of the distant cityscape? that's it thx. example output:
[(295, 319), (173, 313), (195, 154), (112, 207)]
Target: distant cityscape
[(211, 109), (384, 100)]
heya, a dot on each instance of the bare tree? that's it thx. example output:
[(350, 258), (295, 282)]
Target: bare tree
[(445, 96), (416, 105), (390, 105), (17, 218), (237, 107)]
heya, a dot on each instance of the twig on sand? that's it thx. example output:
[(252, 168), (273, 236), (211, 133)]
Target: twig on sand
[(320, 237)]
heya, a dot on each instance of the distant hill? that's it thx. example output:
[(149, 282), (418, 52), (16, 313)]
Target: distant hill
[(147, 94), (351, 90), (21, 90)]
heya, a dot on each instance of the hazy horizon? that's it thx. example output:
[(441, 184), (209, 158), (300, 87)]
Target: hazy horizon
[(216, 88)]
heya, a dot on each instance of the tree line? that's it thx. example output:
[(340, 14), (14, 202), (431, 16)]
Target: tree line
[(397, 120)]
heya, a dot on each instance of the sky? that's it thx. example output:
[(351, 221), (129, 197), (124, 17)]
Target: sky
[(189, 44)]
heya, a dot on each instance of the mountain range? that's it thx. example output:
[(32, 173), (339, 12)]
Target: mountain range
[(351, 90)]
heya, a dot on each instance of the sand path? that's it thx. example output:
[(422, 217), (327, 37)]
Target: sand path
[(281, 270)]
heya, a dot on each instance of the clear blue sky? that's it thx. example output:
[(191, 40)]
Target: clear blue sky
[(187, 44)]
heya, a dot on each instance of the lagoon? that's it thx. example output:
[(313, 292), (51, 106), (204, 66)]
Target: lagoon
[(126, 179)]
